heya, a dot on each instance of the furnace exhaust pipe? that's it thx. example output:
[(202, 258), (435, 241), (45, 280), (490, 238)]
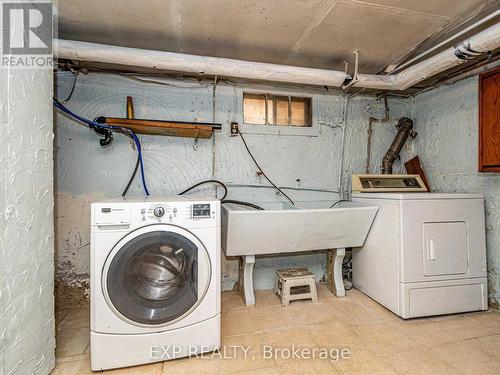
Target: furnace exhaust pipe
[(405, 129)]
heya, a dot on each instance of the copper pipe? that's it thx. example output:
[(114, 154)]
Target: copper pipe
[(202, 130), (130, 107)]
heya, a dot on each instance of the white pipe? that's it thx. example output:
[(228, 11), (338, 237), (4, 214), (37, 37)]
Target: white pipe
[(454, 37), (178, 62), (487, 40)]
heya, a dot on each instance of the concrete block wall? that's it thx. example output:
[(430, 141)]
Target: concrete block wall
[(316, 166), (447, 121)]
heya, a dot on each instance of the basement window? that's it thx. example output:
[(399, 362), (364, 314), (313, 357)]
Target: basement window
[(267, 109)]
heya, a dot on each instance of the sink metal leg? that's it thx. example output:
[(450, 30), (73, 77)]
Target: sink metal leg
[(334, 271), (246, 279)]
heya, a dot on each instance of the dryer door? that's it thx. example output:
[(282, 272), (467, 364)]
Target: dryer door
[(442, 239), (156, 275)]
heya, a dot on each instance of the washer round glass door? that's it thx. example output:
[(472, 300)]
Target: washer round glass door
[(156, 274)]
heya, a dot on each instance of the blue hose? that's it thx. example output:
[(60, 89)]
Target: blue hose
[(137, 142)]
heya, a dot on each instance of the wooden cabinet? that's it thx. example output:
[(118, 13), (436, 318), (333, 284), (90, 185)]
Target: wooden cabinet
[(489, 121)]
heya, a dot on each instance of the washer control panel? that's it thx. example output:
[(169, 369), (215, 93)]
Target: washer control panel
[(177, 214), (118, 215), (158, 211), (201, 211)]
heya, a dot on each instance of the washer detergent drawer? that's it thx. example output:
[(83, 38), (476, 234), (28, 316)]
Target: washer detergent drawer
[(112, 215), (442, 239), (445, 248)]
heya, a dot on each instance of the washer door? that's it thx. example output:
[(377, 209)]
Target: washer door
[(156, 275)]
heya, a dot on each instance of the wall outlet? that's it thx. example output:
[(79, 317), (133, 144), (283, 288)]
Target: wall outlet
[(234, 129)]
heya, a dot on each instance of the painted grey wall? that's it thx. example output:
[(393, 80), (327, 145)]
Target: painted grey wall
[(447, 122), (313, 166), (26, 222)]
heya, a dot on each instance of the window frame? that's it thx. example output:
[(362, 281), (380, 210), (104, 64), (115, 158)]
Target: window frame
[(291, 130)]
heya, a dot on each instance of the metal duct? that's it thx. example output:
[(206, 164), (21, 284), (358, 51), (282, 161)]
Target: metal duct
[(405, 129)]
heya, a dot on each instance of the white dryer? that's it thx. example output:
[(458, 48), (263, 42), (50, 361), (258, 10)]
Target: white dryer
[(425, 253), (155, 279)]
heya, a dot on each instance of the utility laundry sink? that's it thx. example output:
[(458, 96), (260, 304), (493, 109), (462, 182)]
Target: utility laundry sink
[(247, 232)]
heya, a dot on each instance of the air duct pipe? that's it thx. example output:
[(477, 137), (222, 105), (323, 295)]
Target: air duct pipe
[(194, 64), (485, 41), (444, 42), (405, 129)]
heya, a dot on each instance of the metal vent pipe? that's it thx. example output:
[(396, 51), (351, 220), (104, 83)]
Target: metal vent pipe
[(405, 129)]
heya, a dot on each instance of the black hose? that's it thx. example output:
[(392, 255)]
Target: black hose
[(72, 88), (339, 201), (224, 196), (132, 177), (261, 171), (243, 204), (206, 182)]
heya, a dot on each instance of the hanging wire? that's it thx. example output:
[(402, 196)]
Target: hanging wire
[(261, 171), (72, 88), (132, 176), (337, 202), (137, 78)]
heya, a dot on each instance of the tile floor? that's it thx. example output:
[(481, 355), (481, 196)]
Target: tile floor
[(379, 342)]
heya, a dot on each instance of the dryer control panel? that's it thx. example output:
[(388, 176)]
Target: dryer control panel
[(384, 183)]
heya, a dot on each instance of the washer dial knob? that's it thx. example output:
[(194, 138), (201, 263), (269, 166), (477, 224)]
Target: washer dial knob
[(159, 211)]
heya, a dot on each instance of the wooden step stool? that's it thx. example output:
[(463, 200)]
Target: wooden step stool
[(295, 283)]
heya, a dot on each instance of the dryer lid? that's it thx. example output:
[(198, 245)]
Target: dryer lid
[(417, 196)]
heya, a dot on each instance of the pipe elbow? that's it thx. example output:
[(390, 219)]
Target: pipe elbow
[(405, 123), (404, 126)]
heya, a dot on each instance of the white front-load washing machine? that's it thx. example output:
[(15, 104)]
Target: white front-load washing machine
[(155, 279)]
